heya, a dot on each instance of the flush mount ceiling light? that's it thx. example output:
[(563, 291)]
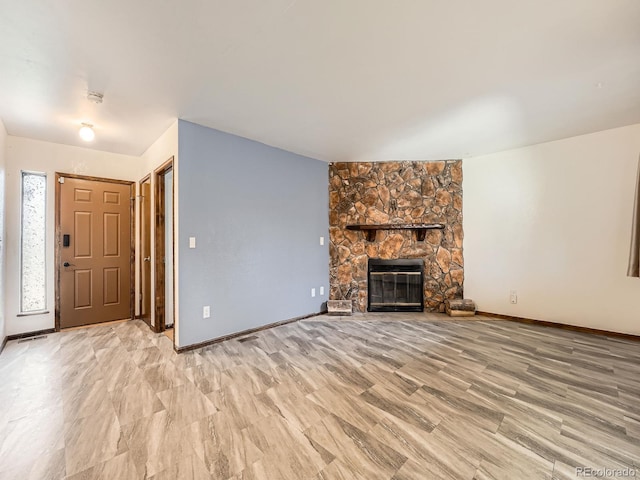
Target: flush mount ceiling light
[(95, 97), (86, 132)]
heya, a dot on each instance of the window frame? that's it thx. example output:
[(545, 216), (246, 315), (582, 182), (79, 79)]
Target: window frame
[(22, 311)]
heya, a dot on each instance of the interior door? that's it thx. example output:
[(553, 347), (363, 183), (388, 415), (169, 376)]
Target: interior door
[(163, 288), (95, 251), (145, 250), (168, 248)]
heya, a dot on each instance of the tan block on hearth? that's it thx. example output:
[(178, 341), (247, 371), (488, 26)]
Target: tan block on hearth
[(339, 307), (459, 307)]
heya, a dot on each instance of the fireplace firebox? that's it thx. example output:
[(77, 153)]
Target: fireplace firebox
[(395, 285)]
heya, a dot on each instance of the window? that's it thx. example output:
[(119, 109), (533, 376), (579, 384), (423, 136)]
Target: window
[(33, 245)]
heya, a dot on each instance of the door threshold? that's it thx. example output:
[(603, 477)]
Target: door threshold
[(91, 325)]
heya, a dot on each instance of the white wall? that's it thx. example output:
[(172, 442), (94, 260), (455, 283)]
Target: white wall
[(3, 256), (165, 147), (553, 221), (34, 155)]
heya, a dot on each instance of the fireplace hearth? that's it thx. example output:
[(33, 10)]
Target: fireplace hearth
[(395, 285)]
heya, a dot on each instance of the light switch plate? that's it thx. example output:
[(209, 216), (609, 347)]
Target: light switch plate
[(321, 240), (206, 311), (321, 290), (313, 292), (192, 242)]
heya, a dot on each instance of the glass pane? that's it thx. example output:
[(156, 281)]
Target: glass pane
[(33, 288)]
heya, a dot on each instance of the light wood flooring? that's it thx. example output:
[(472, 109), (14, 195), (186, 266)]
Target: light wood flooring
[(377, 397)]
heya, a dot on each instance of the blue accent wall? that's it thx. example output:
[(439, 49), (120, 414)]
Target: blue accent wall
[(257, 213)]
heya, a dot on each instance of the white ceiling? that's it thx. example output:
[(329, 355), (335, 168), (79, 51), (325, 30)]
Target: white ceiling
[(333, 79)]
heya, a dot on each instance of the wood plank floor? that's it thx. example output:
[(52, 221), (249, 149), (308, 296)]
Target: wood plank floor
[(407, 396)]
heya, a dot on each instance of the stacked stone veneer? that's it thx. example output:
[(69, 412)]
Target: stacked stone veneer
[(396, 192)]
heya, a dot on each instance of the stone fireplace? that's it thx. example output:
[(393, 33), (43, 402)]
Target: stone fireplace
[(394, 193)]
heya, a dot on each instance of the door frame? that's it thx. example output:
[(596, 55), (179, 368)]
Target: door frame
[(140, 265), (58, 237), (159, 246)]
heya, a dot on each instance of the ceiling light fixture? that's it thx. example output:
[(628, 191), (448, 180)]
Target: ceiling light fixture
[(95, 97), (86, 132)]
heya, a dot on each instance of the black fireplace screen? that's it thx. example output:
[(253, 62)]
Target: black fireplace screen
[(395, 285)]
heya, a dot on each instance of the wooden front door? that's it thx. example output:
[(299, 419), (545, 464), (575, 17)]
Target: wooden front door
[(95, 251)]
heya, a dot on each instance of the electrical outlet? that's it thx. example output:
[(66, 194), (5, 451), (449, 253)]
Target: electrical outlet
[(192, 242), (513, 297), (321, 240), (313, 292), (321, 290), (206, 311)]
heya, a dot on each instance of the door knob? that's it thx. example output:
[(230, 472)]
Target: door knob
[(147, 259), (66, 264)]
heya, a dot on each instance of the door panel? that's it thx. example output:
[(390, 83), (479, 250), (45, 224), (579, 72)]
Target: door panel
[(82, 195), (95, 285), (111, 286), (112, 198), (112, 235), (82, 231), (83, 284)]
